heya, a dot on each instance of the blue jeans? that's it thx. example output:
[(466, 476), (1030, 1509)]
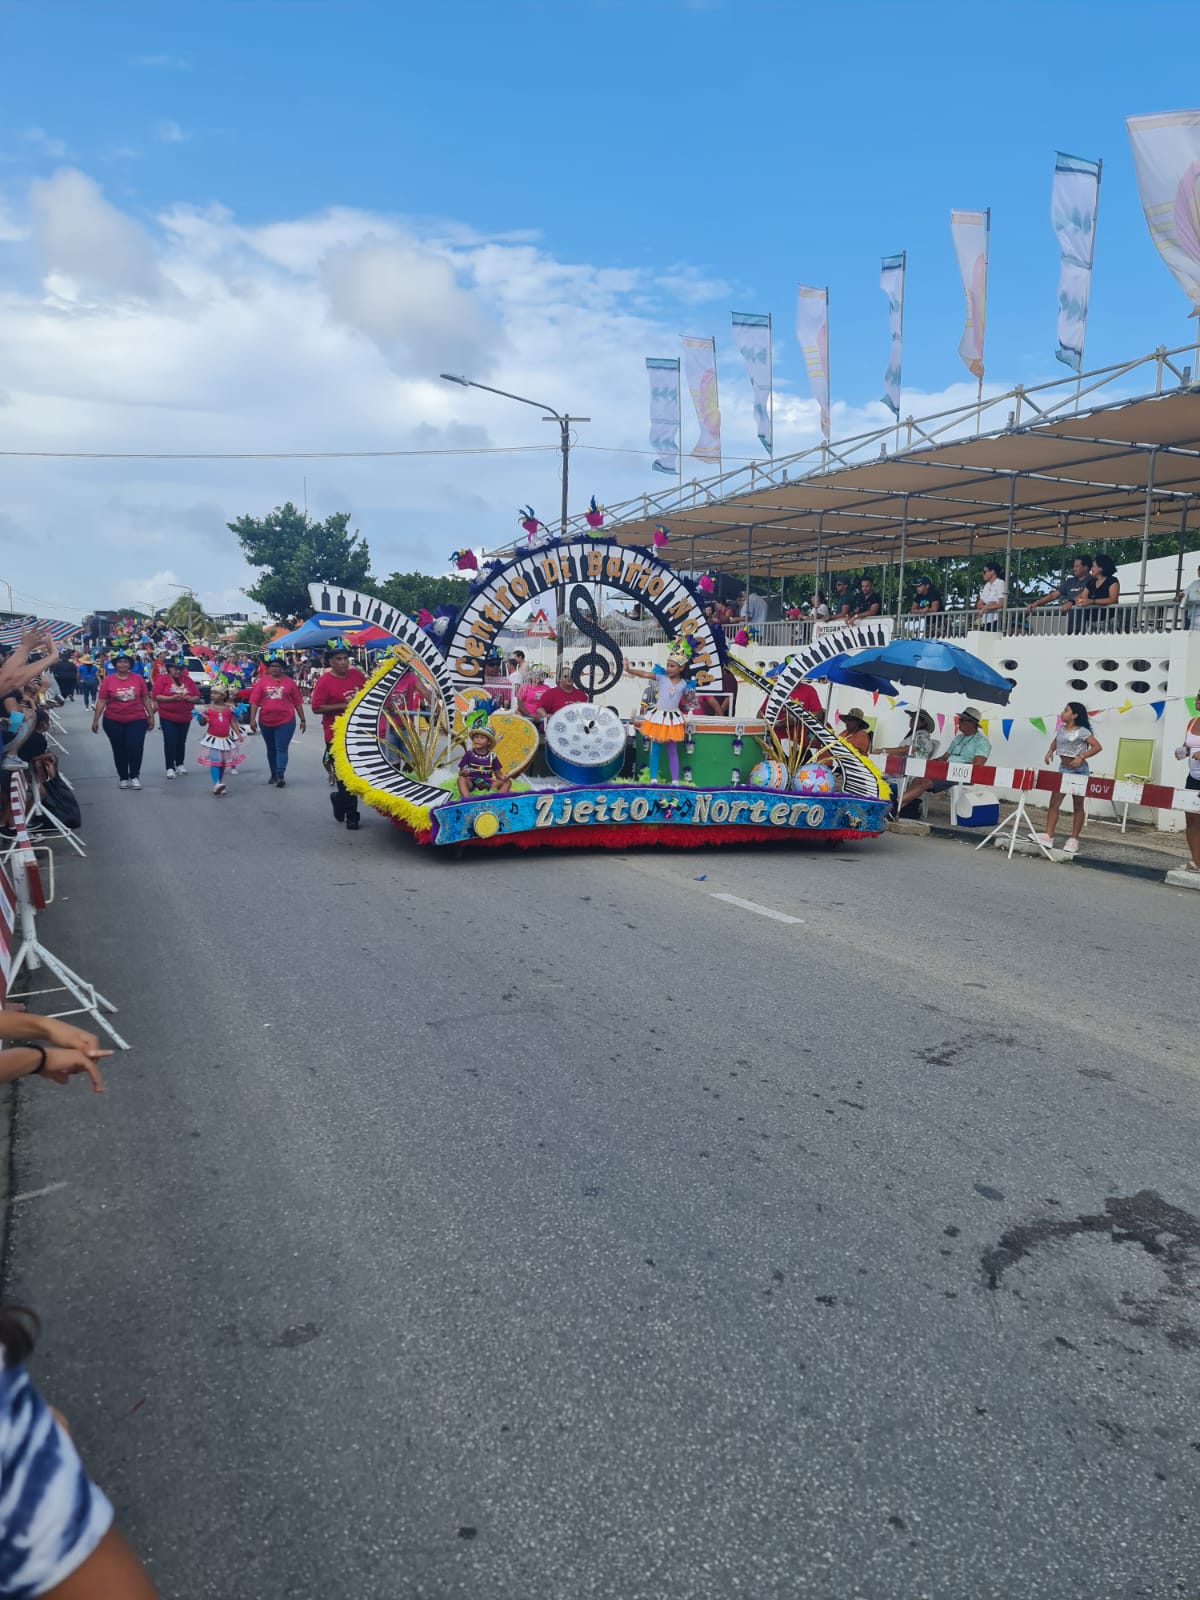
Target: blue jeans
[(277, 741)]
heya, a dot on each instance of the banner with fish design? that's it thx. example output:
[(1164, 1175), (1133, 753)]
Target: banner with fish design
[(891, 281), (1074, 202), (752, 335), (664, 412)]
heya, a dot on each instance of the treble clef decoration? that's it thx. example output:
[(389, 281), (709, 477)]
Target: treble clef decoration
[(582, 609)]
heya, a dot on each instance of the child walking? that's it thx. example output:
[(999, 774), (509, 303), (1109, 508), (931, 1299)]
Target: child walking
[(219, 748), (663, 723)]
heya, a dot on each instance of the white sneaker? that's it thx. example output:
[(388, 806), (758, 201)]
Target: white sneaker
[(1046, 839), (181, 772), (170, 772), (135, 783), (1071, 847), (124, 783)]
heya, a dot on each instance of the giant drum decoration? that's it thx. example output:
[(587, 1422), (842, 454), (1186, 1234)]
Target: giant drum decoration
[(769, 775), (813, 779), (585, 744)]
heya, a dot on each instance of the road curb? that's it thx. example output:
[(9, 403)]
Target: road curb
[(1127, 869)]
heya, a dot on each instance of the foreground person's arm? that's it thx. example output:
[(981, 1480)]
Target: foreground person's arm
[(111, 1572)]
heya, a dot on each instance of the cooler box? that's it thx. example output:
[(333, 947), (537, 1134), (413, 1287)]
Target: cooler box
[(721, 747), (973, 807)]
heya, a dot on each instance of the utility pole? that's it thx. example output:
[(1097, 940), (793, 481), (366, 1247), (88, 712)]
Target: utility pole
[(564, 423)]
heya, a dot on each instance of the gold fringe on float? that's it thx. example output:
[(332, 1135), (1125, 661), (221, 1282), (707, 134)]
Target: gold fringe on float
[(413, 816)]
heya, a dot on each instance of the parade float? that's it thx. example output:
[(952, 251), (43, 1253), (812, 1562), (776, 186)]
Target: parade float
[(784, 777)]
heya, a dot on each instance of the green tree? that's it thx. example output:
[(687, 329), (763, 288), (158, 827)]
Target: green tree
[(293, 551), (410, 591), (186, 612), (252, 634)]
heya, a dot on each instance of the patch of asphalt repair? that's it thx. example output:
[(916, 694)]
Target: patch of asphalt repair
[(1170, 1235)]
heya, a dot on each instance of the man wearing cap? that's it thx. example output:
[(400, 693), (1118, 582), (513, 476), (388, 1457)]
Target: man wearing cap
[(332, 694), (843, 600), (968, 744)]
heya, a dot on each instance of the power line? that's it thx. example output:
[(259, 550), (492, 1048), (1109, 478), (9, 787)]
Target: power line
[(321, 455)]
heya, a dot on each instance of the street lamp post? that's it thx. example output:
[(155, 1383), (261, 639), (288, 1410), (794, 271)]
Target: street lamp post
[(564, 424)]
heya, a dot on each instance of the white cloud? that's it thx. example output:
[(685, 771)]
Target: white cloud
[(41, 140), (193, 333), (169, 132), (80, 236), (161, 63)]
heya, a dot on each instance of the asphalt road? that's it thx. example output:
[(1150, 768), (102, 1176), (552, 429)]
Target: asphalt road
[(542, 1227)]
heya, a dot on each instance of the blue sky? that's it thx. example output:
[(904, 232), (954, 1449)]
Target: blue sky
[(285, 218)]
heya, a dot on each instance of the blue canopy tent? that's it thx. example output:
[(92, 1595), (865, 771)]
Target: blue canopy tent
[(316, 631)]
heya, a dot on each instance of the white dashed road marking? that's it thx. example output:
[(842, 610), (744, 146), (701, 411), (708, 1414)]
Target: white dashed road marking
[(752, 905)]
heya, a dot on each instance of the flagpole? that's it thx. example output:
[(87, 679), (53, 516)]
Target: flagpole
[(987, 264), (900, 384), (679, 420), (717, 388), (770, 391), (1091, 264), (828, 384)]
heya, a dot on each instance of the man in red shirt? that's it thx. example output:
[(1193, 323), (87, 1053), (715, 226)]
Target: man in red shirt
[(563, 694), (332, 693)]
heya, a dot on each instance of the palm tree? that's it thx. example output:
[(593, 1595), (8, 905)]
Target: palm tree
[(187, 613)]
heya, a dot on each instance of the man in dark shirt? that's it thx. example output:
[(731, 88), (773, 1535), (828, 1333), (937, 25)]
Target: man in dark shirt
[(844, 600), (869, 603), (1065, 595)]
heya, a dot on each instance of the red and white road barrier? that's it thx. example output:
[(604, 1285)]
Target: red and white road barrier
[(22, 896), (1028, 780)]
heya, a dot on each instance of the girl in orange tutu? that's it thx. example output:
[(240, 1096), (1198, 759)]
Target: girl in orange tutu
[(663, 723)]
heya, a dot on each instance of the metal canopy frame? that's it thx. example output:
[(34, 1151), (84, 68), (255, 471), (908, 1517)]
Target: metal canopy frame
[(1123, 467)]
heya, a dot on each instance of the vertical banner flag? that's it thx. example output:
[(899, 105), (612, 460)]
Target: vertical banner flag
[(664, 413), (969, 230), (812, 330), (700, 369), (1166, 156), (752, 334), (891, 281), (1074, 201)]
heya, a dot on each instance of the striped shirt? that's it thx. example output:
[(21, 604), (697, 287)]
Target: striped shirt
[(51, 1515)]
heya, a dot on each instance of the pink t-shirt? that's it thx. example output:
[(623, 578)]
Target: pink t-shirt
[(277, 699), (120, 699), (218, 721), (530, 697)]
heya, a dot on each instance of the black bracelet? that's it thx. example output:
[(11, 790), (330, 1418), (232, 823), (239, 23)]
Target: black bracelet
[(30, 1044)]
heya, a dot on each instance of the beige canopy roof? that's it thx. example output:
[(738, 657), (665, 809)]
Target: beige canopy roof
[(1123, 469)]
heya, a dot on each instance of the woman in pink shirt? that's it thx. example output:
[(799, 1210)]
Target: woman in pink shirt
[(176, 696), (275, 704), (123, 702)]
